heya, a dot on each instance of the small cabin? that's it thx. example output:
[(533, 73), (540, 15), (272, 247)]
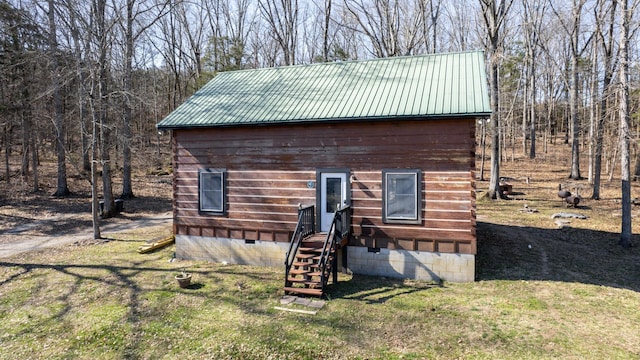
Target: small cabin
[(263, 158)]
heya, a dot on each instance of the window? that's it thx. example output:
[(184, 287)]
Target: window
[(212, 190), (401, 190)]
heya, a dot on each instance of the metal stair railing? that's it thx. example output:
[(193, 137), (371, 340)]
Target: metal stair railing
[(305, 227), (340, 228)]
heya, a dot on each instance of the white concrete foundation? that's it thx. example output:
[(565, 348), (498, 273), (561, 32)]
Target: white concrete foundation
[(233, 251), (419, 265)]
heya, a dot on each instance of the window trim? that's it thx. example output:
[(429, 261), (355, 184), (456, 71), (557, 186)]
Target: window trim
[(223, 191), (417, 219)]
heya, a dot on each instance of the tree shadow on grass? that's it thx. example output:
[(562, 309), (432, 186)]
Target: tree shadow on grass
[(111, 277), (375, 289), (565, 255), (126, 285)]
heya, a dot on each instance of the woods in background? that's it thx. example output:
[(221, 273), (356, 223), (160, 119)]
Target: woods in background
[(85, 82)]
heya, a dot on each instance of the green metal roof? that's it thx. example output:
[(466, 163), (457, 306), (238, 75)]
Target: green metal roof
[(438, 85)]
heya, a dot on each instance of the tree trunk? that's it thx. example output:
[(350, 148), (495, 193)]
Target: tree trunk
[(575, 124), (607, 46), (7, 153), (104, 136), (599, 135), (26, 130), (593, 88), (95, 204), (532, 130), (325, 32), (62, 189), (34, 158), (525, 100), (127, 189), (81, 92), (84, 139), (435, 13), (625, 234), (574, 84), (494, 177), (494, 14)]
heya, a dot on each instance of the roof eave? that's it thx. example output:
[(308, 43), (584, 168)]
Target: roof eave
[(475, 115)]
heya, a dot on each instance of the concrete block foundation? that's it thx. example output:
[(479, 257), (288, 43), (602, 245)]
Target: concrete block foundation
[(419, 265), (232, 251)]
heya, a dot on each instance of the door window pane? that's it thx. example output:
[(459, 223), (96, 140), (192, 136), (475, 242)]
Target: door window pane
[(334, 194)]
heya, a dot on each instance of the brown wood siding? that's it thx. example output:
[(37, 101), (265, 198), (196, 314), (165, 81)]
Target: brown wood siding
[(269, 168)]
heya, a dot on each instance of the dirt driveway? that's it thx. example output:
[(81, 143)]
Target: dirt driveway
[(67, 229)]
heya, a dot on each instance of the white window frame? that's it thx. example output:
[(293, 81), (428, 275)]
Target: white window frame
[(387, 196), (203, 187)]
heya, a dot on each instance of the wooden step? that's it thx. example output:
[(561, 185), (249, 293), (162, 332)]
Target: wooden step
[(310, 250), (320, 237), (305, 264), (308, 283), (314, 244), (299, 272), (316, 258), (306, 256), (305, 291)]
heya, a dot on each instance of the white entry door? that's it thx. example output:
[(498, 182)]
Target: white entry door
[(333, 195)]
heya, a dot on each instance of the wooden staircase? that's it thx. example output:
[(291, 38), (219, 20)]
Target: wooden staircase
[(311, 258), (306, 276)]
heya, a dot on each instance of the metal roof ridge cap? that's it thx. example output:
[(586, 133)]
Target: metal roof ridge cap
[(388, 58)]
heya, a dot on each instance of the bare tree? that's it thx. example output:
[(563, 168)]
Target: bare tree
[(322, 21), (533, 12), (494, 13), (457, 29), (133, 14), (127, 188), (347, 39), (102, 94), (572, 30), (192, 20), (605, 18), (430, 11), (229, 27), (282, 17), (325, 29), (62, 187), (178, 39), (239, 26), (24, 47), (391, 26), (77, 25), (625, 234)]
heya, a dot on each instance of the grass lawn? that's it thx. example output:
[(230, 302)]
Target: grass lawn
[(544, 290), (106, 301)]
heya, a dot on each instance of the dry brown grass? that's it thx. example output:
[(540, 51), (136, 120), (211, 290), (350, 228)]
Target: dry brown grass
[(516, 244), (20, 205)]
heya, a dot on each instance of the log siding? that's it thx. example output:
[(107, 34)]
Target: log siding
[(270, 170)]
